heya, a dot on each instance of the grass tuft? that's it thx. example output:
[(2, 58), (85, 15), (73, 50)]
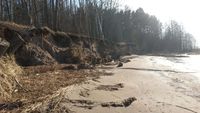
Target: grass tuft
[(8, 76)]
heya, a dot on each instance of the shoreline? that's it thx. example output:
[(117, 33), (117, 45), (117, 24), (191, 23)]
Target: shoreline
[(156, 92)]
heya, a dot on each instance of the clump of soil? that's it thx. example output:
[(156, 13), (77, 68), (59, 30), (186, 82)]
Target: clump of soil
[(88, 104), (110, 87), (125, 103), (11, 105), (59, 102)]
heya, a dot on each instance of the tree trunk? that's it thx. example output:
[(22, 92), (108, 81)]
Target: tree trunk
[(1, 12), (8, 10), (55, 15), (46, 13)]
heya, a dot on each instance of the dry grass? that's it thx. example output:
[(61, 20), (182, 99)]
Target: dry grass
[(40, 86), (8, 75), (13, 25)]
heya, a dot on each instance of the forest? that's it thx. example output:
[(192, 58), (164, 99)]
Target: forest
[(101, 19)]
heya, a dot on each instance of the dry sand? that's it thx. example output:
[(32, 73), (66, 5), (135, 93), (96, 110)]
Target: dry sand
[(157, 87)]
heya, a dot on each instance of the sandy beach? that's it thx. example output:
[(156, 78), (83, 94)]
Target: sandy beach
[(150, 81)]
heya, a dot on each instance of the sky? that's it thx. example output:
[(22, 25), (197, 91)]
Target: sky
[(185, 12)]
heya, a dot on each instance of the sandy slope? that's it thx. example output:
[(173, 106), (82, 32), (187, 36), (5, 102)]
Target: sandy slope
[(157, 87)]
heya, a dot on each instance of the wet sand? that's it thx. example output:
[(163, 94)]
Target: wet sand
[(153, 87)]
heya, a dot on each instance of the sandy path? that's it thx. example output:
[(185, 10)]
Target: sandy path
[(157, 88)]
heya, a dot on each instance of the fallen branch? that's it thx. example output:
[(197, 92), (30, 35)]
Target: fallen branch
[(20, 84)]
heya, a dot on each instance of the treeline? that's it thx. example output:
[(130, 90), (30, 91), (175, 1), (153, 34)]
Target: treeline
[(100, 19)]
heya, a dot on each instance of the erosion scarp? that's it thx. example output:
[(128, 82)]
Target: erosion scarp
[(40, 46)]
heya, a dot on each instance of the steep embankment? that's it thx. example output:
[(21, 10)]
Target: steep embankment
[(39, 46)]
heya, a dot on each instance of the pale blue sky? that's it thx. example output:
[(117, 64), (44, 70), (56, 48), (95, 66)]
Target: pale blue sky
[(186, 12)]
